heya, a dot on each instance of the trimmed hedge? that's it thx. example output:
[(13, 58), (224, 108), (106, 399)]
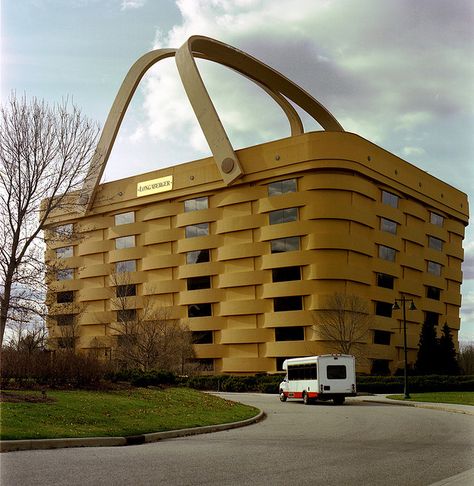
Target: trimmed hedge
[(144, 378), (365, 384), (416, 384)]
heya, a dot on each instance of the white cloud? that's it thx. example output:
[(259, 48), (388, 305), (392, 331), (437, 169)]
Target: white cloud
[(132, 4)]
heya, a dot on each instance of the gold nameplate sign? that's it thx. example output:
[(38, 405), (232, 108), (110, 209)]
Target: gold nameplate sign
[(154, 186)]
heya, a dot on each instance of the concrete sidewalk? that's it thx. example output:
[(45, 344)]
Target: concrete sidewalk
[(445, 407)]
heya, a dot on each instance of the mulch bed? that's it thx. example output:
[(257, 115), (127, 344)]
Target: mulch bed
[(14, 397)]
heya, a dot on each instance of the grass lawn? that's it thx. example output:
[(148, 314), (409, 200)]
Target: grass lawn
[(462, 398), (114, 413)]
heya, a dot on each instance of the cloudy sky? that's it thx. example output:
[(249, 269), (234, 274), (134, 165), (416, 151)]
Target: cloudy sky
[(397, 72)]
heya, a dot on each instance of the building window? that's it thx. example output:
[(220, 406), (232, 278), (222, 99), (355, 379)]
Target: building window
[(64, 230), (196, 204), (64, 319), (126, 315), (65, 274), (279, 362), (433, 293), (286, 274), (388, 226), (202, 337), (282, 187), (281, 245), (199, 310), (124, 218), (125, 242), (435, 243), (283, 216), (436, 219), (199, 229), (291, 333), (65, 252), (382, 337), (383, 309), (390, 199), (197, 256), (126, 266), (380, 367), (434, 268), (204, 364), (282, 304), (431, 318), (387, 253), (65, 297), (198, 283), (66, 342), (385, 281), (127, 290)]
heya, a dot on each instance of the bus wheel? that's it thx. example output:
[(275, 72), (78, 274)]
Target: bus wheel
[(282, 397), (306, 399), (338, 400)]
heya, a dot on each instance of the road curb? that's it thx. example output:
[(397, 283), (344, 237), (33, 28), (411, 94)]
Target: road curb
[(36, 444), (428, 406)]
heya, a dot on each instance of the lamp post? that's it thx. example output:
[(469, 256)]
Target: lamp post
[(403, 301)]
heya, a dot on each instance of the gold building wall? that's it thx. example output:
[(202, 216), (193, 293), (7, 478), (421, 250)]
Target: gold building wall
[(340, 178)]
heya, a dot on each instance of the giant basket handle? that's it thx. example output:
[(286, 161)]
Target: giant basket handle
[(274, 83)]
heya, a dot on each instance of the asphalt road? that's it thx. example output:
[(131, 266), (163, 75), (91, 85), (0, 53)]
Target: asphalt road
[(355, 444)]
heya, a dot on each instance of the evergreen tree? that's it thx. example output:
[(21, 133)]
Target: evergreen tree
[(427, 358), (448, 364)]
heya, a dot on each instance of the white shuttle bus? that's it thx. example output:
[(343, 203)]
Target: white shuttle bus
[(325, 377)]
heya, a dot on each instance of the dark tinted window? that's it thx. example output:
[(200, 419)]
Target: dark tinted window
[(336, 372), (285, 274), (431, 318), (197, 256), (199, 310), (435, 243), (64, 297), (125, 290), (282, 245), (126, 315), (197, 283), (382, 337), (65, 319), (383, 309), (433, 293), (283, 216), (380, 367), (384, 280), (281, 304), (202, 337), (282, 187), (293, 333)]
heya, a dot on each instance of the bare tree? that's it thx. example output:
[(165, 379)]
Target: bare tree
[(44, 156), (344, 323), (148, 337), (27, 337)]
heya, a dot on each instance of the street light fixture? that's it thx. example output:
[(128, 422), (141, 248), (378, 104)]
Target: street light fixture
[(412, 307)]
